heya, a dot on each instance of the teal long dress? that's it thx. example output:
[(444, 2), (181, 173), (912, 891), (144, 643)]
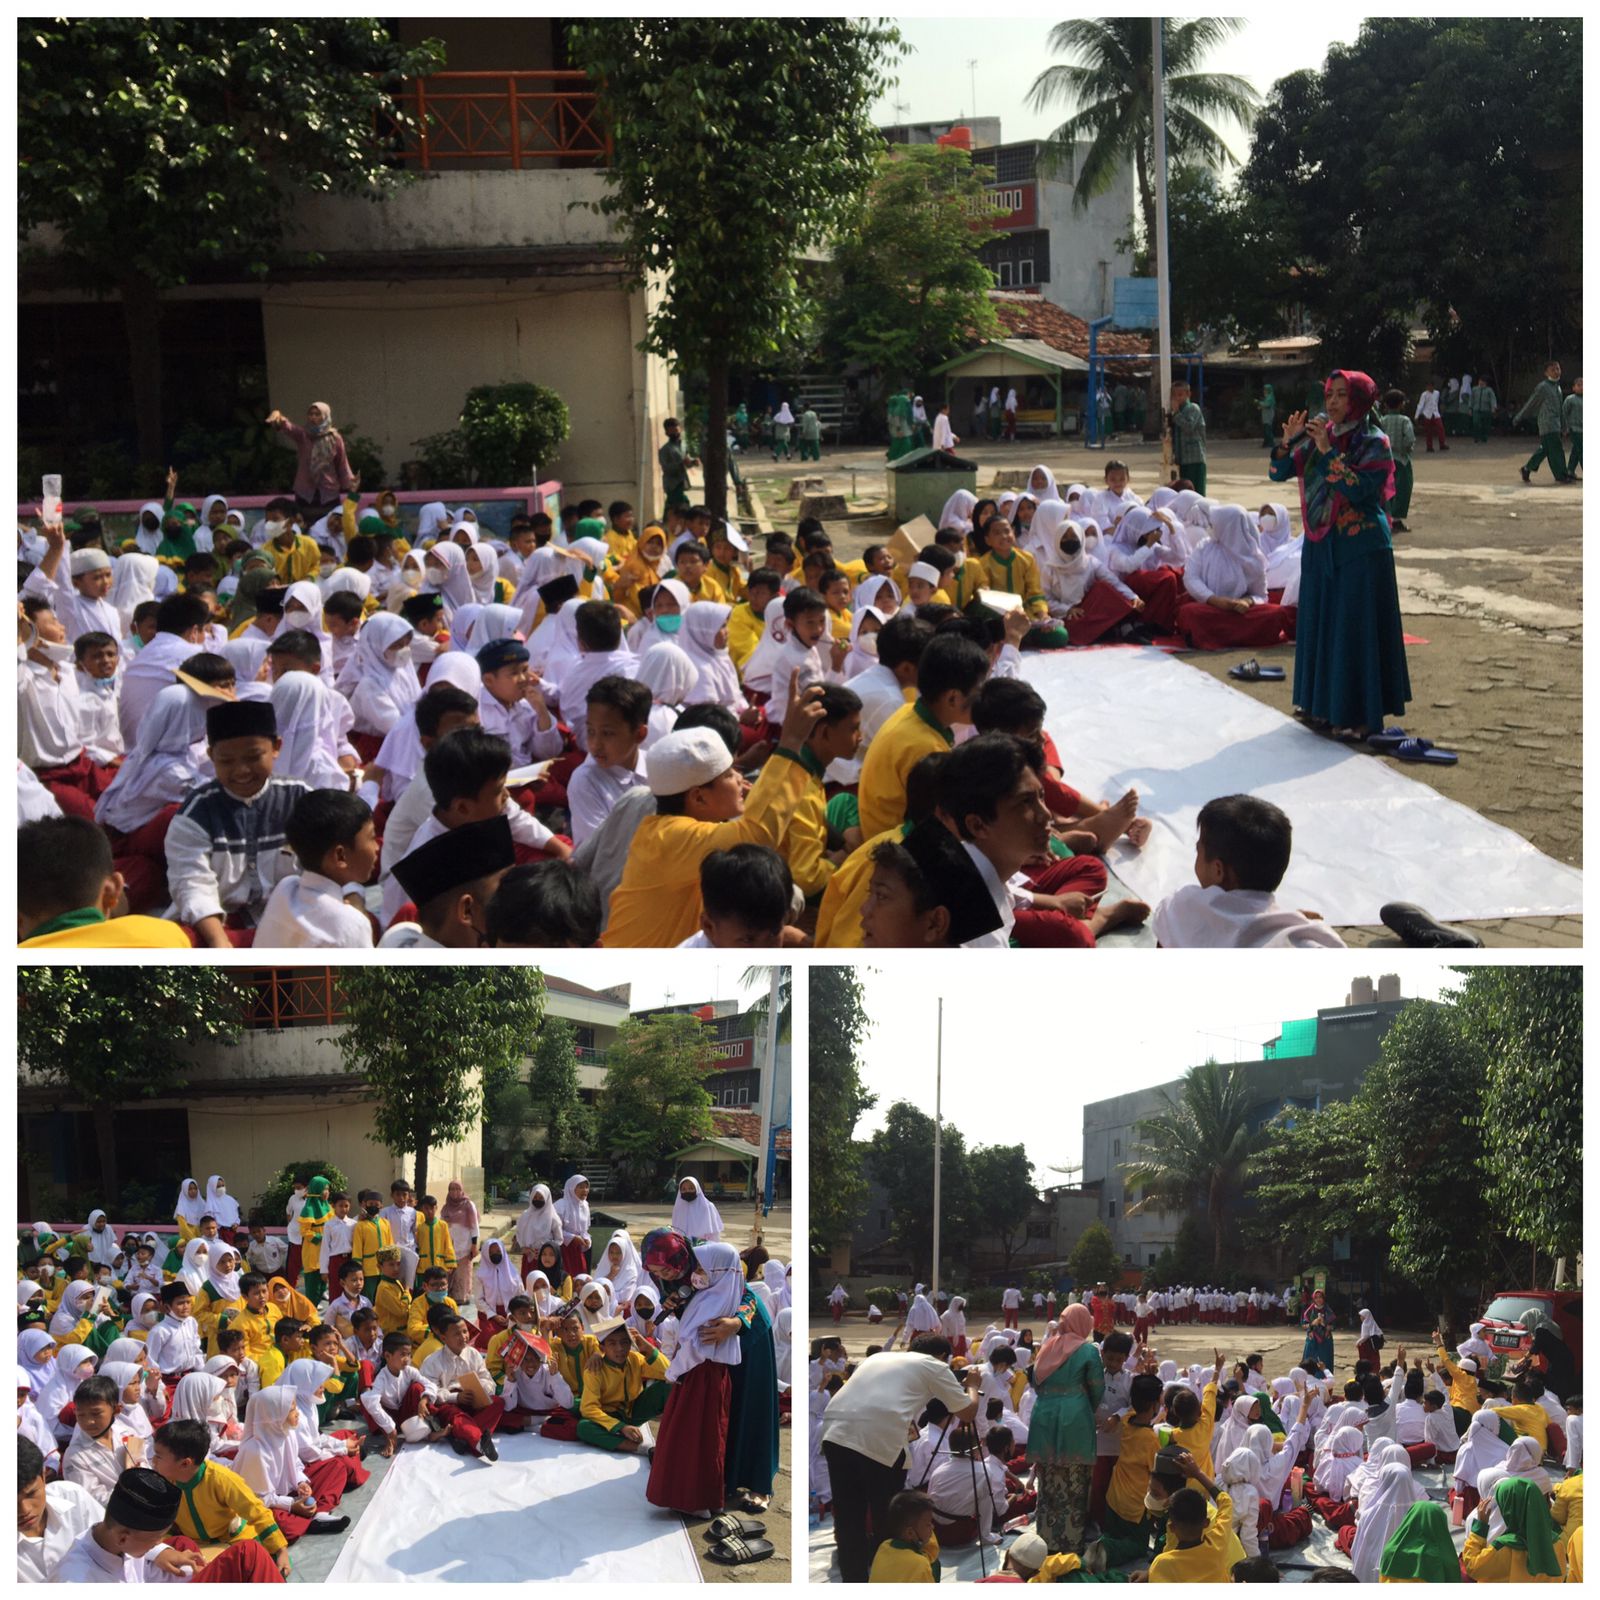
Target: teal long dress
[(1350, 653), (1061, 1444), (752, 1456)]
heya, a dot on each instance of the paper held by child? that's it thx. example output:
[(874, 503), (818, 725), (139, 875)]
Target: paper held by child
[(999, 600), (910, 538), (535, 772)]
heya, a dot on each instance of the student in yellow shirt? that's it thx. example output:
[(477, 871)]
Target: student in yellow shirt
[(1525, 1414), (693, 571), (1128, 1526), (621, 540), (950, 672), (1011, 570), (966, 577), (391, 1300), (1192, 1421), (68, 891), (435, 1292), (629, 1389), (255, 1318), (1526, 1552), (435, 1248), (910, 1551), (1567, 1508), (747, 621), (834, 587), (701, 807), (641, 569), (726, 546), (370, 1234), (435, 1319), (836, 737), (217, 1505), (1463, 1379), (523, 1320), (1198, 1552), (288, 1344)]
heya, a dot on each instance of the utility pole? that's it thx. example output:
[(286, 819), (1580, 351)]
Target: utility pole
[(938, 1096), (1158, 117), (769, 1073), (972, 75)]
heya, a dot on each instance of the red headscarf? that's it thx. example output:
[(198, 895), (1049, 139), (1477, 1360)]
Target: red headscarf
[(1075, 1326), (1362, 390)]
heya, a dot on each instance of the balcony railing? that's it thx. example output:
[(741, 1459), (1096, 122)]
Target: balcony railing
[(291, 997), (485, 120)]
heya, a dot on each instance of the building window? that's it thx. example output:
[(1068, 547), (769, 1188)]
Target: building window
[(1152, 1261), (1111, 1209), (744, 1097), (1003, 274), (1025, 271), (1116, 1148)]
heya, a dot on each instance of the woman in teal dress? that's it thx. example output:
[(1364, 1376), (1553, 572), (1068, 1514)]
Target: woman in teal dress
[(1350, 654), (1070, 1380), (752, 1458), (1317, 1319)]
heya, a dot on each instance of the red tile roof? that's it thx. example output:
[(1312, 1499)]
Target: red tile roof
[(1026, 316), (746, 1125)]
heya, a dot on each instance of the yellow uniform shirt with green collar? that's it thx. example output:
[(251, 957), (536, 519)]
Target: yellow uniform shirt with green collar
[(963, 584), (1209, 1561), (745, 631), (855, 571), (1567, 1504), (1491, 1563), (805, 840), (417, 1317), (839, 916), (367, 1238), (256, 1326), (621, 545), (435, 1247), (909, 735), (214, 1500), (1137, 1444), (901, 1561), (709, 588), (391, 1303), (570, 1363), (609, 1394), (1018, 574), (272, 1366), (840, 624), (493, 1357), (1463, 1386), (209, 1309), (1531, 1420), (731, 580)]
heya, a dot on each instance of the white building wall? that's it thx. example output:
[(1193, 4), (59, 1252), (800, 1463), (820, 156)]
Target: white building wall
[(1084, 259)]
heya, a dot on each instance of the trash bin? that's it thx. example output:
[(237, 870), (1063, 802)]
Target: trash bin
[(921, 482)]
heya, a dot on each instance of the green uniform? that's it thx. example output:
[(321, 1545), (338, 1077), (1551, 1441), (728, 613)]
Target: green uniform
[(1484, 401), (1189, 429), (674, 472), (1402, 441), (1545, 402), (1572, 426), (810, 435), (899, 418)]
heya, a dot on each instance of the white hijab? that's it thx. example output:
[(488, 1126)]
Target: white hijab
[(372, 670), (574, 1213), (226, 1284), (455, 585), (220, 1204), (775, 635), (539, 1226), (308, 726), (545, 1300), (869, 589), (1481, 1446), (1280, 534), (163, 765), (497, 1280), (776, 1277), (269, 1456), (958, 510), (40, 1373), (669, 674), (190, 1210), (196, 1397), (608, 1307), (625, 1275), (492, 624), (400, 754), (133, 581), (1382, 1510), (1369, 1326), (63, 1382), (192, 1271), (695, 1218), (1230, 562), (1043, 535), (1049, 491), (483, 581), (103, 1248), (1231, 1435), (720, 1298), (921, 1318), (717, 679), (1343, 1457), (147, 539), (860, 660)]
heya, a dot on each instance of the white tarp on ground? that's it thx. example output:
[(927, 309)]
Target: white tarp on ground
[(1364, 833), (544, 1511)]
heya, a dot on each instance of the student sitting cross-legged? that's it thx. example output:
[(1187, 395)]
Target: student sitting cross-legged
[(625, 1388)]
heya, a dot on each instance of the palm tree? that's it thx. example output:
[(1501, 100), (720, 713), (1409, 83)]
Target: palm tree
[(1109, 91), (1195, 1151), (761, 977)]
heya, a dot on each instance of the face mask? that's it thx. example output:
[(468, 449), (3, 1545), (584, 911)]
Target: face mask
[(1155, 1504), (1268, 523), (273, 529), (104, 1280), (422, 649), (436, 1295), (148, 1318), (961, 559), (538, 1202), (58, 653), (867, 644), (669, 624), (326, 569), (1070, 548)]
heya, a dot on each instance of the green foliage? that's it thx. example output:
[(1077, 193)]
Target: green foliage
[(1195, 1151), (1003, 1196), (430, 1041), (655, 1101), (1109, 89), (901, 1155), (751, 978), (1396, 182), (443, 460), (838, 1099), (1527, 1022), (510, 429), (907, 287), (1424, 1151), (508, 1115), (270, 1205), (554, 1102), (1094, 1258), (1311, 1182), (1186, 1260), (735, 140)]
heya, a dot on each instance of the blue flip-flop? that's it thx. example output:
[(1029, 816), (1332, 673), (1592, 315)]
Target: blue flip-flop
[(1422, 750), (1388, 738), (1252, 671)]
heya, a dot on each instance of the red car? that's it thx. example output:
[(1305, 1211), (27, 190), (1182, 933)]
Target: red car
[(1507, 1337)]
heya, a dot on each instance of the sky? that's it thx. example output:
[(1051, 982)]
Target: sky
[(1025, 1072), (670, 977), (936, 83)]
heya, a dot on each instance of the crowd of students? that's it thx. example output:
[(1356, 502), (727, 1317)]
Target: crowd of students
[(221, 1385), (339, 732), (1108, 1462)]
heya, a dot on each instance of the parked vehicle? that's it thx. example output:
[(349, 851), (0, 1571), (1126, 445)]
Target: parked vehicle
[(1510, 1341)]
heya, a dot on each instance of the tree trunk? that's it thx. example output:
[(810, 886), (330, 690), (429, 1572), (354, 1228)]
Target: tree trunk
[(420, 1186), (714, 447), (1155, 404), (141, 315), (105, 1138)]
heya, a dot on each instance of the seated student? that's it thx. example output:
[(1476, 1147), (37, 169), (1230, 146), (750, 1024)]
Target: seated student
[(227, 847), (512, 705), (312, 718), (69, 891), (804, 658), (1527, 1551), (399, 1400), (277, 1463), (618, 722), (949, 674), (806, 841), (466, 1392), (909, 1551), (535, 1390), (335, 842), (642, 569), (255, 1318), (746, 899), (726, 545), (884, 687), (546, 905), (629, 1389), (834, 587), (50, 1516), (351, 1297), (924, 580), (747, 621), (1143, 551), (520, 1318), (452, 880), (1525, 1413), (602, 654), (1009, 569), (1081, 592), (1198, 1542), (701, 807), (919, 903), (692, 568), (391, 1298), (1242, 856), (217, 1506), (104, 1442), (173, 1345), (968, 1488), (98, 658), (1226, 579), (432, 1293)]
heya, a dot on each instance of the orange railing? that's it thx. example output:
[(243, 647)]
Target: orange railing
[(469, 120), (291, 997)]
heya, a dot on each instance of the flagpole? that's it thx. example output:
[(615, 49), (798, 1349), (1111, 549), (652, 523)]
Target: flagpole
[(1158, 117), (938, 1095)]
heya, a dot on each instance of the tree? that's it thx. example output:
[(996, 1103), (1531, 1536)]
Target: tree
[(430, 1042), (735, 141), (154, 146), (761, 978), (110, 1035), (271, 1205), (1527, 1023), (1186, 1260), (838, 1100), (554, 1100), (907, 284), (1110, 91), (655, 1101), (901, 1156), (1195, 1151), (1094, 1258), (1443, 206), (1003, 1196), (1424, 1152)]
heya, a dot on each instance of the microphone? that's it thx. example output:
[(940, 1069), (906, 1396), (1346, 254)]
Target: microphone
[(1305, 433)]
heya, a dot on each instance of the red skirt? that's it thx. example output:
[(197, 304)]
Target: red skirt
[(574, 1257), (1162, 593), (691, 1448), (1207, 627), (1103, 608)]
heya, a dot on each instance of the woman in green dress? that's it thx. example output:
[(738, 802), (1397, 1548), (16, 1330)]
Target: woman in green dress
[(1061, 1433)]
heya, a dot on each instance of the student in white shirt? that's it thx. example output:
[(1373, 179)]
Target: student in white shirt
[(98, 681), (83, 600), (618, 722), (50, 1517), (103, 1443), (512, 705), (448, 1369), (398, 1400), (452, 880), (332, 835), (401, 1215), (601, 654), (1243, 853), (173, 1345), (799, 659)]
